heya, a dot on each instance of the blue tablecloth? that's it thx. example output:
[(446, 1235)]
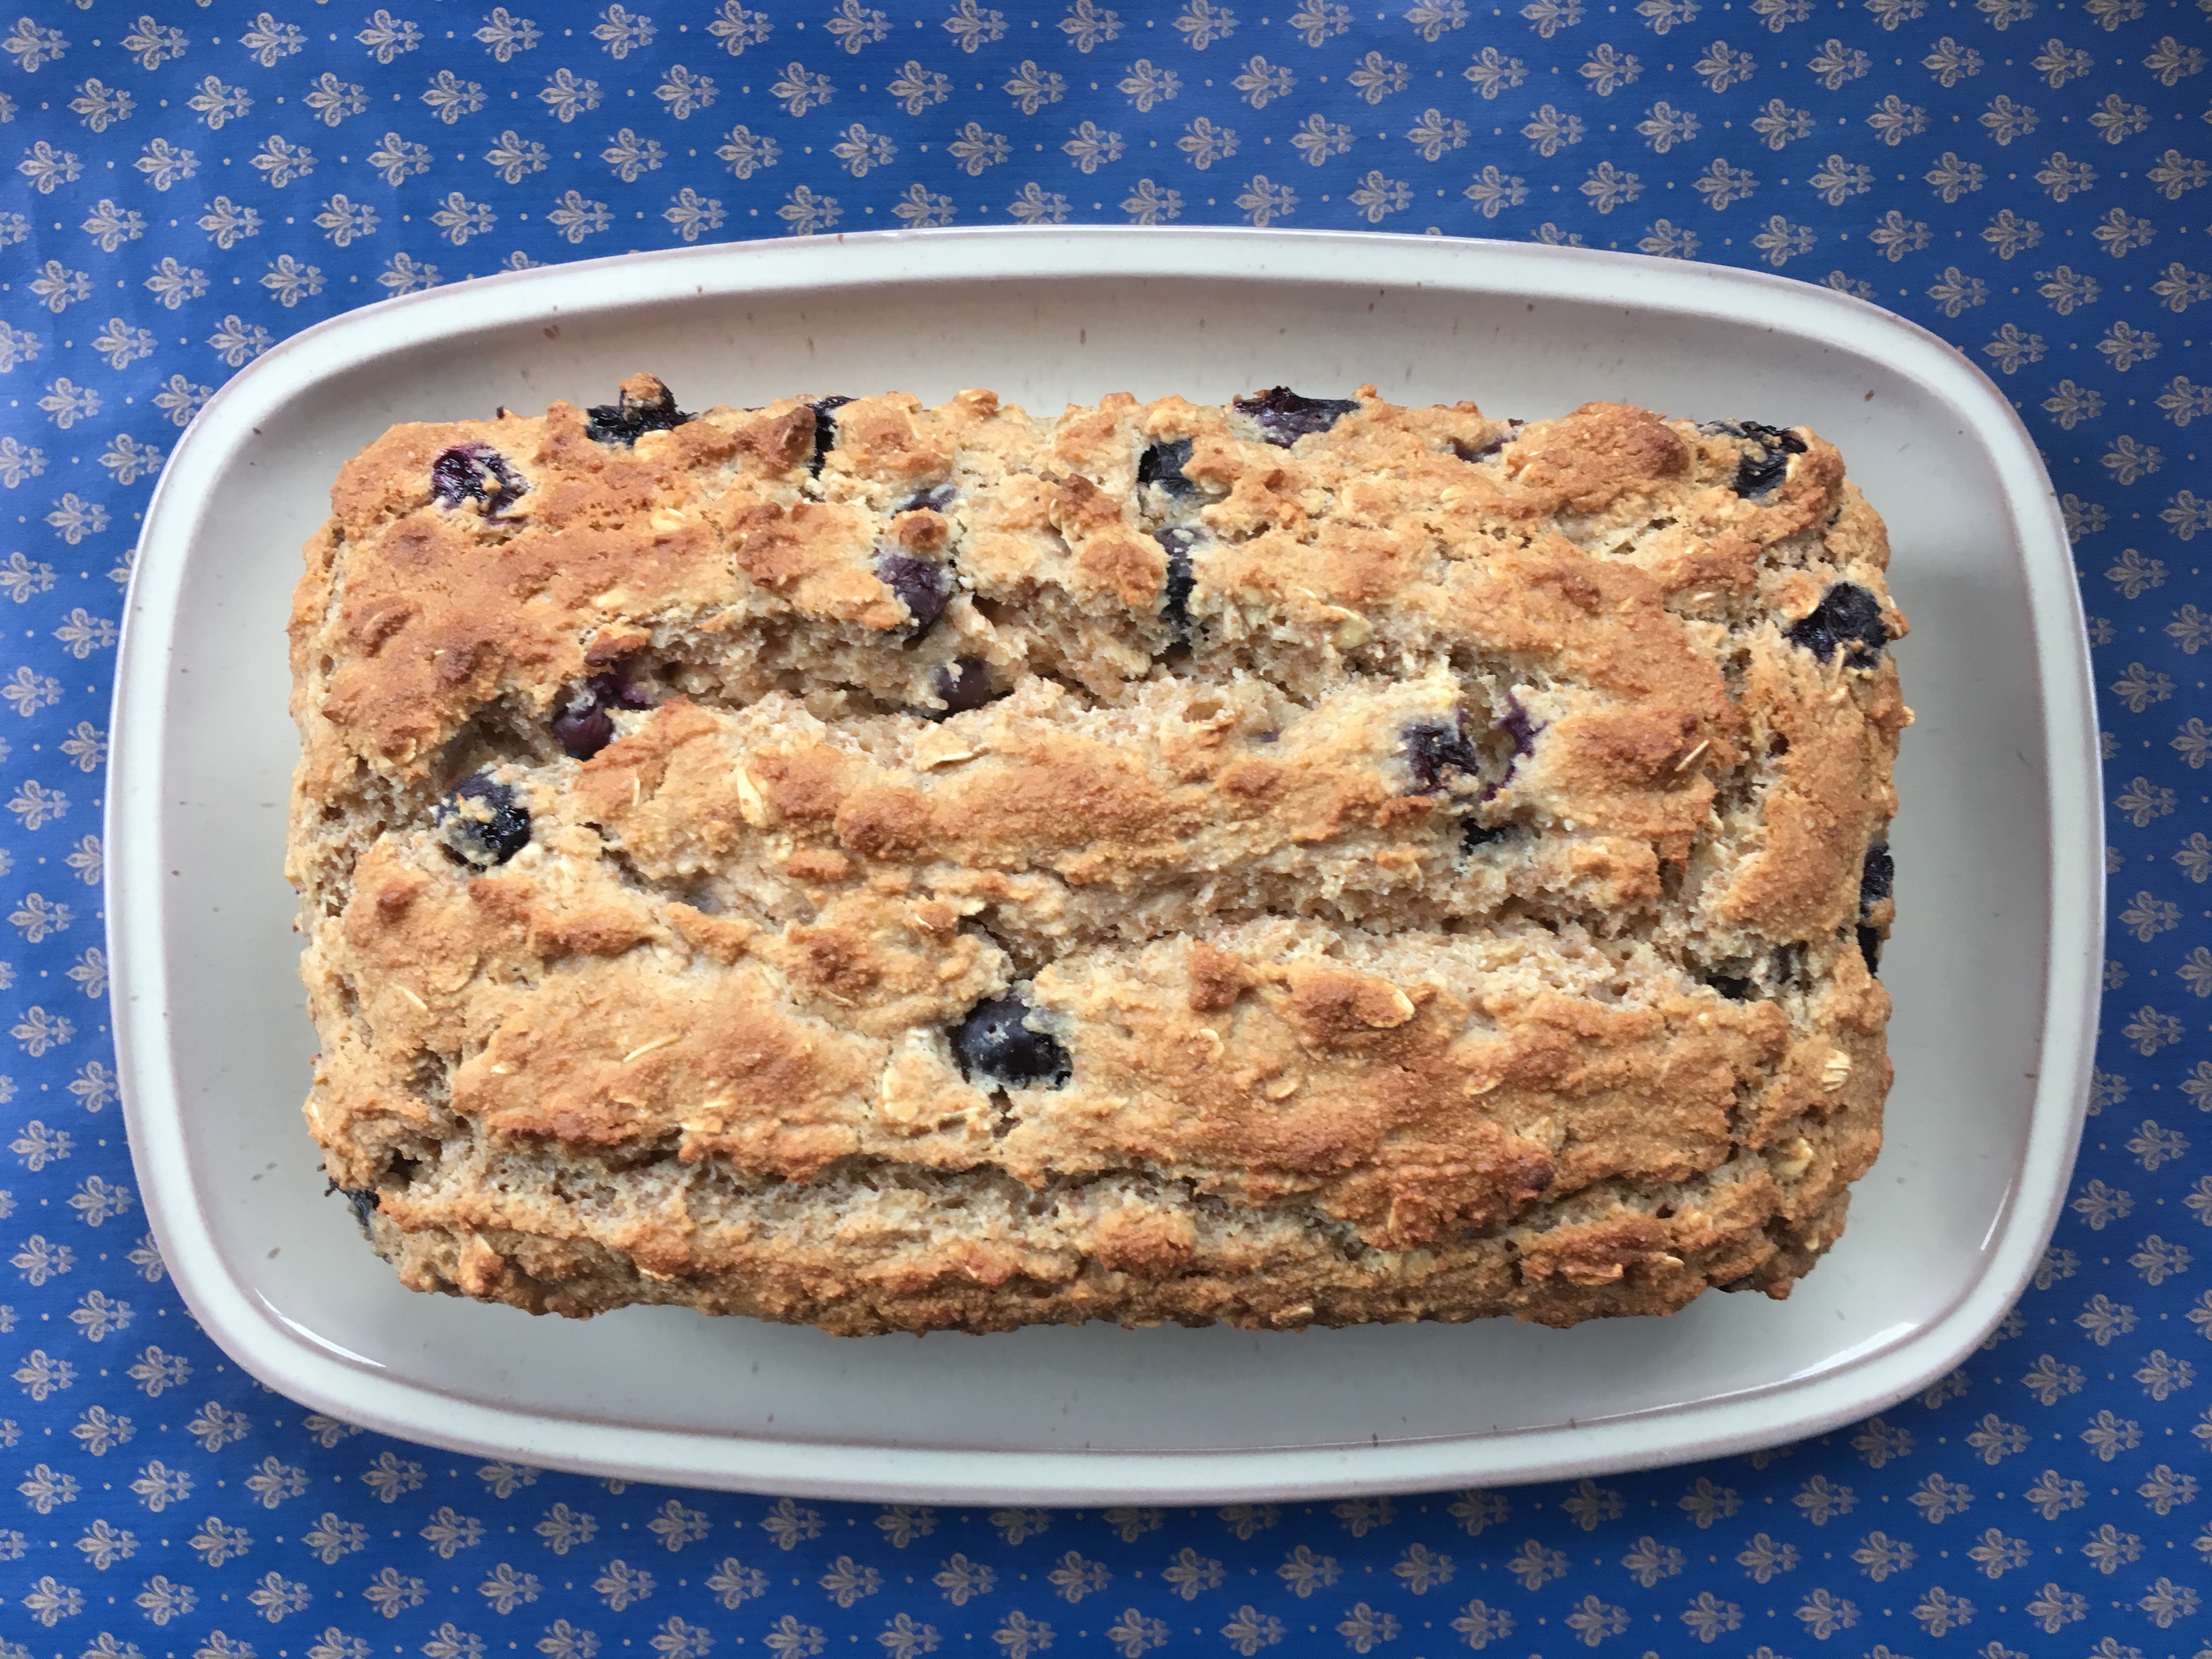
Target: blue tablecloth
[(185, 188)]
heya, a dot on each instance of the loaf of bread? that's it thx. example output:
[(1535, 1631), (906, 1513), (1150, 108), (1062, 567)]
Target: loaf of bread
[(1301, 861)]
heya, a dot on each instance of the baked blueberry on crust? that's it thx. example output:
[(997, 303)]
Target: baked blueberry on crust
[(475, 472), (998, 1042), (1765, 456), (482, 824), (644, 405), (1301, 861), (1847, 618), (1283, 416), (921, 585)]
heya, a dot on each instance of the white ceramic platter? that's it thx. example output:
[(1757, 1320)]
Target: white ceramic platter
[(1993, 964)]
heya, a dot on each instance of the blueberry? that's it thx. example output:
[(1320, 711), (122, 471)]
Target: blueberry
[(626, 421), (1763, 464), (1760, 471), (362, 1199), (585, 731), (994, 1044), (1773, 437), (1181, 582), (1482, 451), (481, 822), (1435, 751), (825, 432), (921, 585), (1875, 876), (478, 472), (585, 726), (1162, 464), (936, 499), (963, 683), (1518, 724), (1284, 417), (613, 691), (455, 474), (1472, 835), (1847, 617)]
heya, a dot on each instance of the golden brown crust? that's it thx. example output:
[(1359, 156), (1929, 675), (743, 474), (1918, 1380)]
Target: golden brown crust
[(1430, 847)]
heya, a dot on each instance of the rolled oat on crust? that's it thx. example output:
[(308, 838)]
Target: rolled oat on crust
[(1297, 862)]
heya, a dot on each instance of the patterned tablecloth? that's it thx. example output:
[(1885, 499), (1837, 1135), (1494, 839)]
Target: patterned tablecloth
[(187, 185)]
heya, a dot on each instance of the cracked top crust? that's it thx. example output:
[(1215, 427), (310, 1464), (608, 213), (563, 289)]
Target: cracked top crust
[(900, 867)]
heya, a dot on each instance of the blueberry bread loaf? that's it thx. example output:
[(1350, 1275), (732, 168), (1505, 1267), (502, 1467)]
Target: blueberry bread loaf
[(1298, 861)]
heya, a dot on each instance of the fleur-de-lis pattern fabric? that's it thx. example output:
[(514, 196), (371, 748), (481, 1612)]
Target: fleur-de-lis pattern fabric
[(188, 183)]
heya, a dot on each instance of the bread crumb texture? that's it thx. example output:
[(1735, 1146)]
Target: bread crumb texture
[(1295, 862)]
